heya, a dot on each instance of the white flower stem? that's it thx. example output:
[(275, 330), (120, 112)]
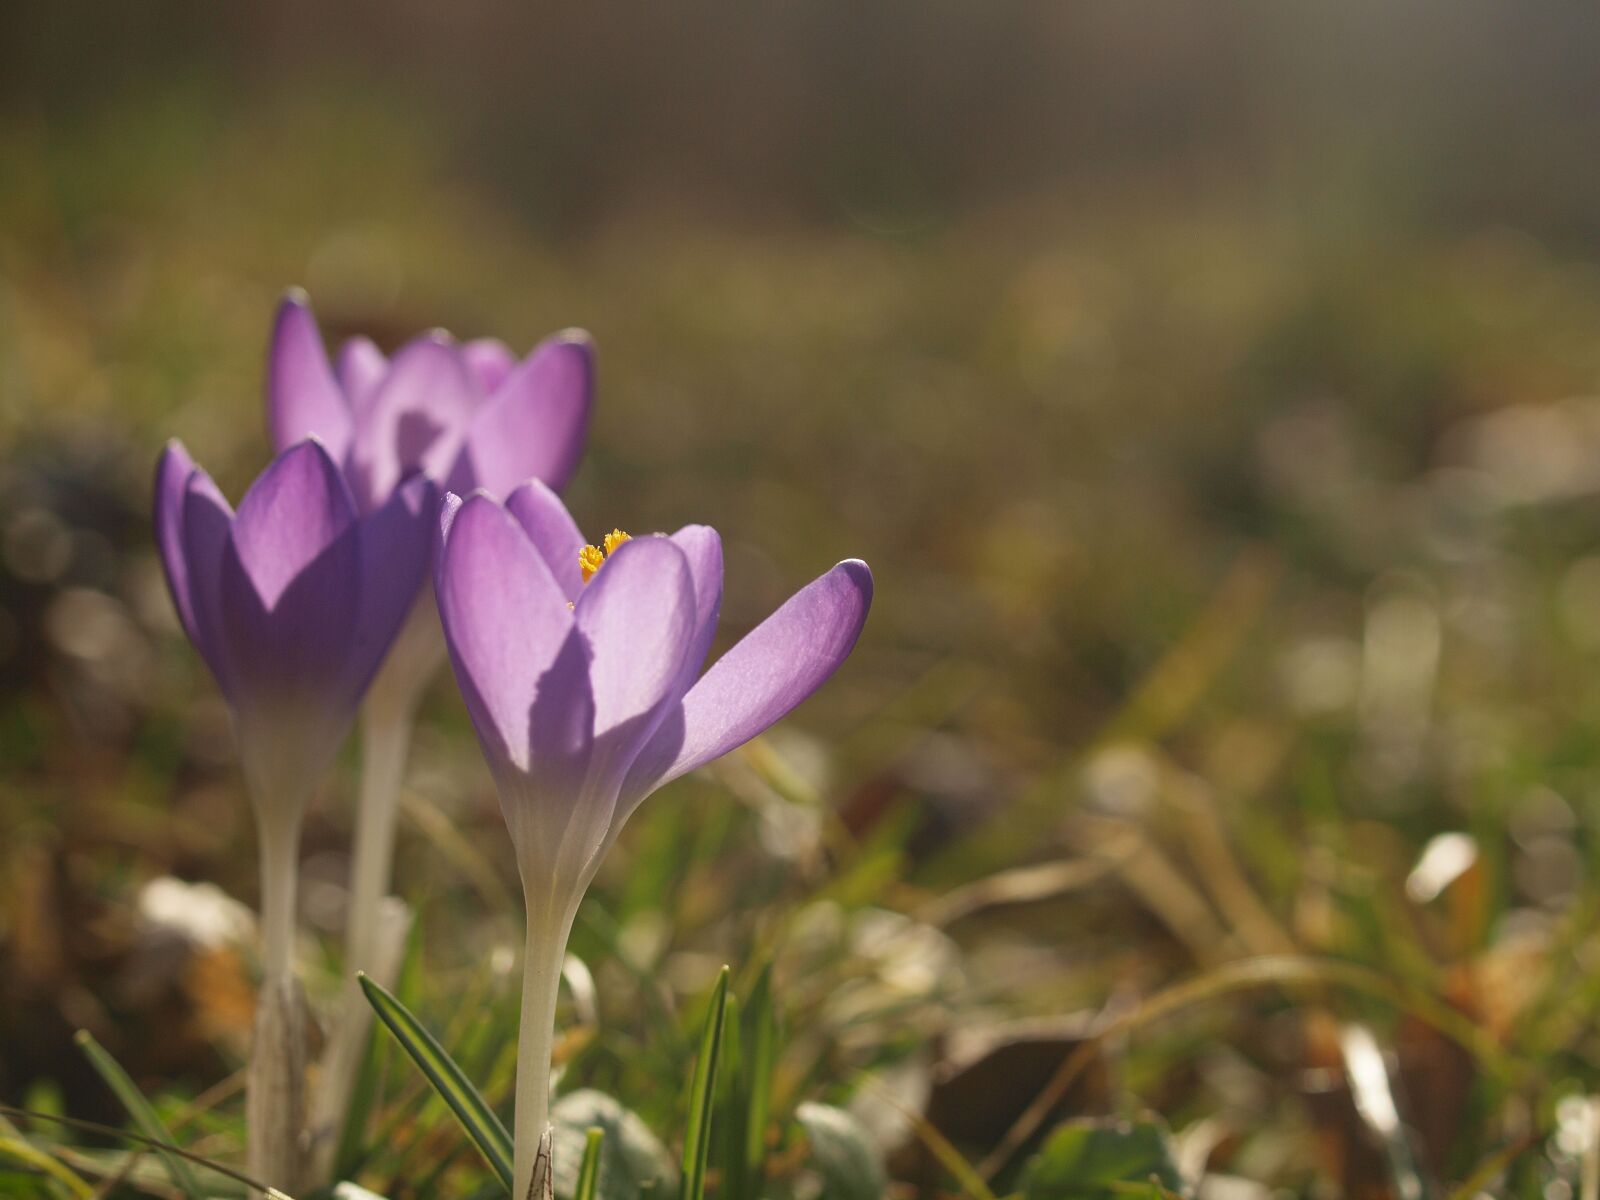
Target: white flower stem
[(280, 880), (275, 1086), (548, 929), (385, 739), (369, 937)]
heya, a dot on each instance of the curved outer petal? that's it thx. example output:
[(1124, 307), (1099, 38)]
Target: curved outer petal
[(303, 397), (702, 546), (490, 360), (360, 369), (396, 546), (777, 665), (536, 423), (415, 420), (193, 523), (173, 470), (291, 587), (552, 531), (505, 622)]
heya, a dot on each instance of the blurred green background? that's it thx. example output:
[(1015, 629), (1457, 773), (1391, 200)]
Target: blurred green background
[(1215, 392)]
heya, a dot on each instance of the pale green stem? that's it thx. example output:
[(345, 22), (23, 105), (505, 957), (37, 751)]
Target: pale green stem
[(280, 875), (385, 738), (548, 930), (275, 1084)]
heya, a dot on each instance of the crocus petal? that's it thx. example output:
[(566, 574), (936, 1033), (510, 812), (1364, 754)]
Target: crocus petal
[(172, 483), (505, 622), (638, 615), (490, 361), (702, 546), (303, 397), (290, 579), (777, 665), (415, 420), (535, 424), (361, 368), (207, 524), (396, 545), (552, 531)]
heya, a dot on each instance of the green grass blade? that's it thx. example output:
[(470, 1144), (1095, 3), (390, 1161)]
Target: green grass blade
[(139, 1110), (760, 1042), (589, 1171), (470, 1108), (697, 1133), (729, 1135)]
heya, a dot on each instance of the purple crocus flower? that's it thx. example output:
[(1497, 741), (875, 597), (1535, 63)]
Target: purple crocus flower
[(292, 602), (581, 668), (467, 415)]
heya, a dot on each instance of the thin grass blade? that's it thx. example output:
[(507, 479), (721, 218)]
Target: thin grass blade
[(132, 1099), (702, 1092), (589, 1170), (728, 1137), (760, 1043), (470, 1108)]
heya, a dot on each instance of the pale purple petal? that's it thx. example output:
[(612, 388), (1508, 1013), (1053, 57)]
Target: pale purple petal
[(303, 397), (505, 622), (416, 420), (207, 524), (172, 483), (396, 545), (490, 361), (535, 424), (638, 617), (638, 614), (291, 580), (361, 369), (552, 531), (776, 666), (702, 546)]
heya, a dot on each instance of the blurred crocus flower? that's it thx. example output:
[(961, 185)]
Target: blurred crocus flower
[(581, 668), (292, 602), (466, 415)]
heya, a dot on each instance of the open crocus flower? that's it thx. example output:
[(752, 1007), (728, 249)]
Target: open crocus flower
[(581, 667), (292, 602), (467, 415)]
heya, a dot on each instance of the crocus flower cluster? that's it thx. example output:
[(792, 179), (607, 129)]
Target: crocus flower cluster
[(465, 415), (581, 665)]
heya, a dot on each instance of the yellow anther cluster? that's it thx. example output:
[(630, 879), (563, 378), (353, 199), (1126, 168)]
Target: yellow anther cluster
[(592, 558)]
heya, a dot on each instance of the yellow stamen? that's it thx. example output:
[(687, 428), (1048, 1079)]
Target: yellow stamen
[(592, 558)]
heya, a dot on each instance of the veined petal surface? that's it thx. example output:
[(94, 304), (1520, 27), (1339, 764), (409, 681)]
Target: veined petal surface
[(771, 670)]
